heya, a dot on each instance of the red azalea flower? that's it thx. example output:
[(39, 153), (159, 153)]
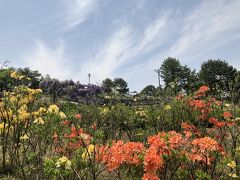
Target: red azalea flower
[(78, 116)]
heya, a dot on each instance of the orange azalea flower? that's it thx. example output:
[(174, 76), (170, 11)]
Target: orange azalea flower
[(230, 123), (150, 176), (216, 123), (78, 116), (227, 115), (218, 103), (187, 126), (94, 126), (55, 137), (204, 89), (179, 97), (197, 103), (120, 153), (66, 123), (152, 160), (201, 149), (206, 144)]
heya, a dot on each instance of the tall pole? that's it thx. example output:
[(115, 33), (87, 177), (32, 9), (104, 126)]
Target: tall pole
[(89, 77), (158, 72)]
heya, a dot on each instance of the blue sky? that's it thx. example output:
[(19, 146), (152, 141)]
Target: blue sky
[(109, 38)]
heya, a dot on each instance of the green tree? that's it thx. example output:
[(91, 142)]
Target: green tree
[(170, 70), (52, 87), (149, 90), (35, 77), (217, 73), (120, 85), (107, 85), (6, 82), (178, 77)]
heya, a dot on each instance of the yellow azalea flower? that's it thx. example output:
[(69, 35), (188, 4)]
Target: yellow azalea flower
[(104, 110), (62, 115), (53, 109), (233, 175), (88, 151), (21, 77), (1, 104), (6, 114), (63, 159), (90, 148), (58, 164), (23, 101), (38, 90), (42, 110), (84, 136), (34, 91), (107, 97), (39, 121), (85, 155), (31, 98), (14, 75), (238, 149), (227, 105), (141, 113), (68, 164), (13, 100), (167, 107), (30, 91), (237, 119), (1, 126), (22, 113), (139, 134), (24, 137), (232, 164)]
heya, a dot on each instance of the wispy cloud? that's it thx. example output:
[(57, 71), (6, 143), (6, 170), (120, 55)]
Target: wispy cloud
[(142, 38), (211, 24), (123, 46), (110, 56), (78, 10), (48, 60)]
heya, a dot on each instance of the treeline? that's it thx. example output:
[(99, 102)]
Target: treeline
[(222, 78), (54, 88)]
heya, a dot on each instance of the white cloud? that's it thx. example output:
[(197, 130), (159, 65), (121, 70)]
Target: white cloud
[(48, 60), (110, 56), (210, 25), (78, 10), (122, 47), (153, 35)]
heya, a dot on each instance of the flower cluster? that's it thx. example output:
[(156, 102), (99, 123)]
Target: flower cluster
[(17, 76), (160, 145), (202, 147), (65, 162), (120, 153)]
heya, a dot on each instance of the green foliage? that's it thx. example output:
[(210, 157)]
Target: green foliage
[(118, 85), (183, 78), (6, 82), (149, 90), (35, 77), (107, 85), (217, 73)]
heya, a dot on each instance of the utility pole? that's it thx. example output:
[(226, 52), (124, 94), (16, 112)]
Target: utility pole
[(89, 77), (158, 72)]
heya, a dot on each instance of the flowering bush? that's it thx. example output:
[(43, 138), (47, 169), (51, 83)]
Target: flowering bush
[(187, 137)]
